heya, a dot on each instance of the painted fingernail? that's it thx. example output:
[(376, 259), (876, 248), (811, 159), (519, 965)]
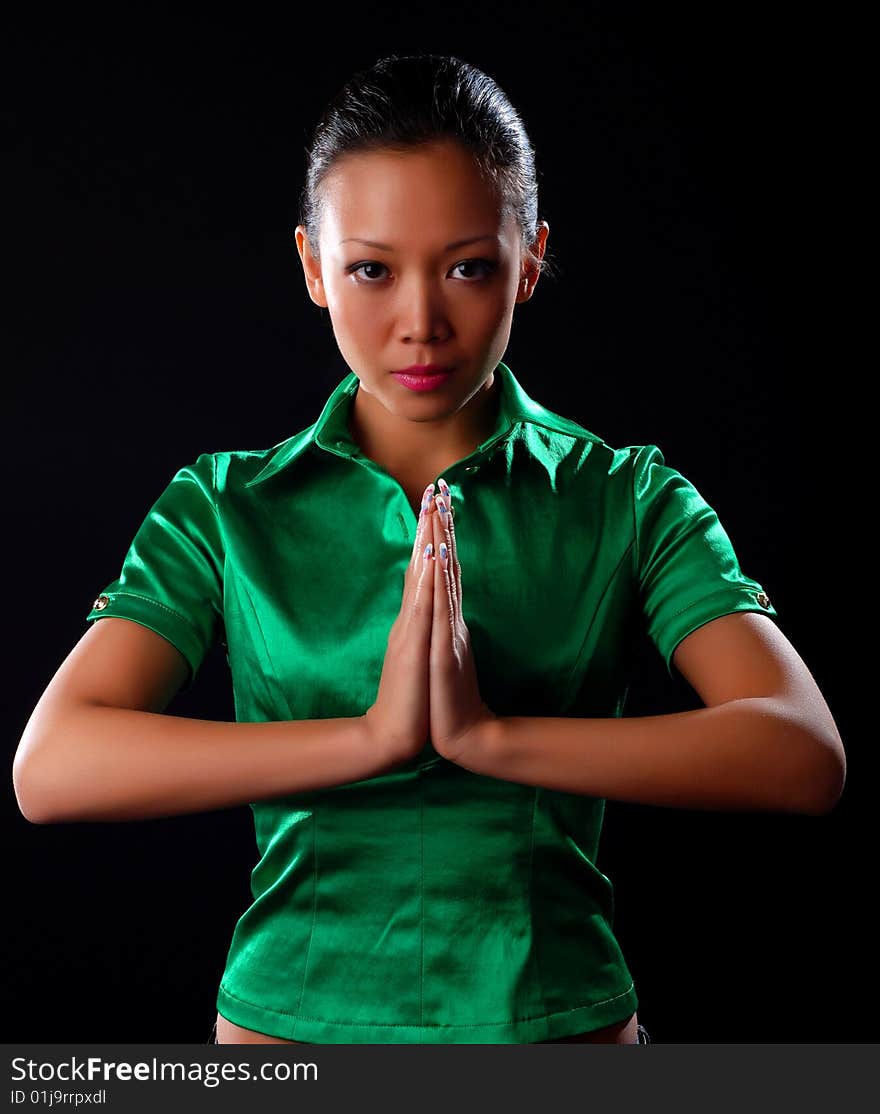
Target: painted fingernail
[(429, 550), (444, 487), (441, 506), (444, 554), (426, 498)]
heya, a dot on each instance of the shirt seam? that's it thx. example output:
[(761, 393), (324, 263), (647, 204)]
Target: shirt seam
[(224, 548), (636, 548), (305, 974), (532, 919), (270, 673), (575, 669)]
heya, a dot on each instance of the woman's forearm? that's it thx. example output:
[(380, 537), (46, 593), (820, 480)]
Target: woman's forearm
[(752, 754), (104, 763)]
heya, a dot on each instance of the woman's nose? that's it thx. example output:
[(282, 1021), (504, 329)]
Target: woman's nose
[(422, 313)]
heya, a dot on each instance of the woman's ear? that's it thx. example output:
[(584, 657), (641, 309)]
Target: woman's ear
[(311, 268), (531, 264)]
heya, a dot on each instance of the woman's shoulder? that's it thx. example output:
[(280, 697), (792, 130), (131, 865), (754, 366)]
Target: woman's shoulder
[(595, 454), (233, 470), (558, 430)]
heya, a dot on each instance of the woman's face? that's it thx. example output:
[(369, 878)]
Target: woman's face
[(418, 265)]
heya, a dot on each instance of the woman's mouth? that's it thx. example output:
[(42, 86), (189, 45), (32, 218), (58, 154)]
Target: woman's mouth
[(427, 377)]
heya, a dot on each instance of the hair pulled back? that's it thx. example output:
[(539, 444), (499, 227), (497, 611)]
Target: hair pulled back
[(404, 101)]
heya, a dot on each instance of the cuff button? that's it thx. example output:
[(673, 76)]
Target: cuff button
[(100, 603), (763, 599)]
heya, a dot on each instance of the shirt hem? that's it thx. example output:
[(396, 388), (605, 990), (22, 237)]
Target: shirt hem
[(531, 1030)]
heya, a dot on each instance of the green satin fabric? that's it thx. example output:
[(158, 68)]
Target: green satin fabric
[(430, 904)]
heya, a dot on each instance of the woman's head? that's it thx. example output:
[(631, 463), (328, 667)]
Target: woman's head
[(420, 235), (403, 102)]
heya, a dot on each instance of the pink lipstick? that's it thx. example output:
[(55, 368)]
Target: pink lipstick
[(422, 377)]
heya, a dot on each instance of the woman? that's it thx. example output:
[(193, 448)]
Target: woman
[(429, 600)]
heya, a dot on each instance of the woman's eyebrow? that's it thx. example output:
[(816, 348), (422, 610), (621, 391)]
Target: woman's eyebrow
[(387, 247)]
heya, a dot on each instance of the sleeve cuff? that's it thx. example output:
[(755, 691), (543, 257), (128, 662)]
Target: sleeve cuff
[(157, 617), (725, 602)]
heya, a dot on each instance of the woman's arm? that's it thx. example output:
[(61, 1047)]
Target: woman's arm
[(97, 747), (766, 739)]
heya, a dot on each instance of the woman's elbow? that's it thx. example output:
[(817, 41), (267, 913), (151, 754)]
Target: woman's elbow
[(31, 802), (34, 776), (826, 784)]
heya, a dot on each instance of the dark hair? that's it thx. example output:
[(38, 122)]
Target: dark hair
[(406, 100)]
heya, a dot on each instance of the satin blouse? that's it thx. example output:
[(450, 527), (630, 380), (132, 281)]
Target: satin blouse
[(430, 904)]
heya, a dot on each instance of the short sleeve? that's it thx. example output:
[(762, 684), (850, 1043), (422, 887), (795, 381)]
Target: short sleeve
[(688, 571), (172, 575)]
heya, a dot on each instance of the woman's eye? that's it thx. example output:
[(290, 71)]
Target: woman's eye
[(474, 268), (368, 272)]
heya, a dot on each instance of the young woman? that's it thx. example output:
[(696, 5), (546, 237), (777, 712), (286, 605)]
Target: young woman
[(429, 600)]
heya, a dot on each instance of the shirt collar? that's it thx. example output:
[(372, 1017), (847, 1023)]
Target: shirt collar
[(331, 434)]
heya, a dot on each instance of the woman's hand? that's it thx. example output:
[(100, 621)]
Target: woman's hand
[(457, 709), (398, 722)]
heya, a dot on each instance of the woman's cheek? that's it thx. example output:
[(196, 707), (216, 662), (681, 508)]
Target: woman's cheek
[(357, 312), (344, 313), (357, 330)]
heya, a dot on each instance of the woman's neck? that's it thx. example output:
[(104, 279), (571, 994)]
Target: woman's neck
[(407, 447)]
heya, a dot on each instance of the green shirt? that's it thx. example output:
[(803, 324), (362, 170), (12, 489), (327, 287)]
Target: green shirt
[(429, 905)]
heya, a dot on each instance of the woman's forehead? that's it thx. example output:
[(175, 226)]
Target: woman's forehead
[(426, 192)]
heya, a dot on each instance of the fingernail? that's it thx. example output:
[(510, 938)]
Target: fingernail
[(444, 487), (426, 498), (429, 549), (441, 506)]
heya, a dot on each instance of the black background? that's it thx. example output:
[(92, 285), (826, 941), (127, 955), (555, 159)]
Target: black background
[(694, 176)]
